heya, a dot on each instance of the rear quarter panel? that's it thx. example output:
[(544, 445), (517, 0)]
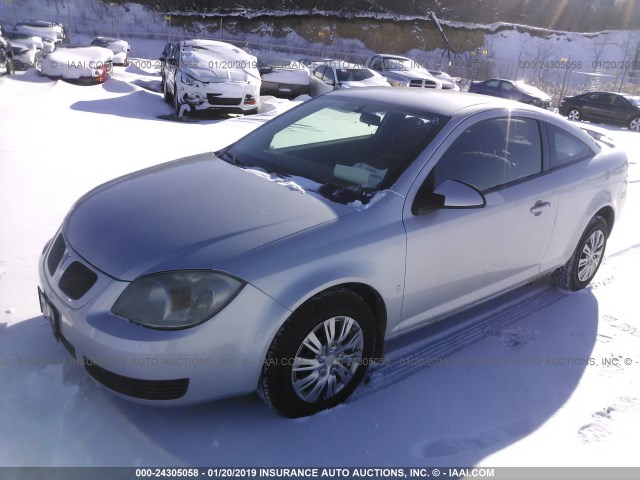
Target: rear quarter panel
[(583, 189)]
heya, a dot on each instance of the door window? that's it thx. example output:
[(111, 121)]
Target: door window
[(492, 153)]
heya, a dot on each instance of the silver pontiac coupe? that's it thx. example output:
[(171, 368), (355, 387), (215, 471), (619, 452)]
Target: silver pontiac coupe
[(282, 263)]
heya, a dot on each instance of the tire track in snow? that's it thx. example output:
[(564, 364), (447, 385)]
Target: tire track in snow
[(416, 360)]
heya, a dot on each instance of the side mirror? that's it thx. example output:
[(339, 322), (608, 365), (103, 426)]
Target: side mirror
[(449, 194)]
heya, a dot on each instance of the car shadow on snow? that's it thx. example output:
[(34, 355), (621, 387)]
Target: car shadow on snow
[(472, 402), (113, 85), (138, 104)]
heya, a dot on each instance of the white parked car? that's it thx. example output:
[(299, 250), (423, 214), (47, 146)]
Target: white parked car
[(342, 75), (120, 48), (27, 50), (211, 75), (448, 82), (52, 33), (83, 63)]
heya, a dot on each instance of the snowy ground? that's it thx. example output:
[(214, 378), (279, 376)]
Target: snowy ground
[(509, 388)]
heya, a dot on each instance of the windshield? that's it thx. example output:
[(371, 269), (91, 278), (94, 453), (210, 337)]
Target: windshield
[(396, 63), (351, 147), (353, 74), (635, 101)]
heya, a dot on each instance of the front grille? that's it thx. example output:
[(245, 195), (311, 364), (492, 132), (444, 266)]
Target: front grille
[(422, 83), (215, 100), (77, 280), (56, 253), (133, 387)]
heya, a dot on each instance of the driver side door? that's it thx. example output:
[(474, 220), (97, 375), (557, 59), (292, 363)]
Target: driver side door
[(458, 256)]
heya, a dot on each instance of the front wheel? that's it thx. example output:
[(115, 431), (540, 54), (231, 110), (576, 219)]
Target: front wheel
[(319, 355), (634, 124), (587, 257), (574, 114), (177, 104)]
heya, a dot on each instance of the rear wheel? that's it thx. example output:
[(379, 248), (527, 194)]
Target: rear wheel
[(634, 124), (587, 257), (319, 355), (574, 114)]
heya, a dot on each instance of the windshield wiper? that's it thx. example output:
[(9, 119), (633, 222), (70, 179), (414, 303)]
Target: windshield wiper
[(229, 157)]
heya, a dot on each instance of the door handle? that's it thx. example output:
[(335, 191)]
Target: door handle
[(539, 207)]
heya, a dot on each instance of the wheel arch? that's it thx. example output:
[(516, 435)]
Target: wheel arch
[(370, 296), (609, 217)]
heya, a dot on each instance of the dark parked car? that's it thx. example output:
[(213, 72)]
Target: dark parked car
[(613, 108), (6, 56), (512, 90)]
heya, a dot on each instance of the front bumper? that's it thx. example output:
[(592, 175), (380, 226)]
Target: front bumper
[(222, 96), (220, 358)]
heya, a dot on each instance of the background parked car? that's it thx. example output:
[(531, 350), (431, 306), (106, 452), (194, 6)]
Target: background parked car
[(166, 52), (83, 63), (312, 62), (606, 107), (283, 78), (342, 75), (27, 50), (120, 48), (52, 34), (519, 91), (211, 75), (6, 57), (40, 25), (402, 71), (448, 82)]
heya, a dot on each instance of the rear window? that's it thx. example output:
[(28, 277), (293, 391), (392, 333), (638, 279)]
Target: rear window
[(566, 148), (353, 74)]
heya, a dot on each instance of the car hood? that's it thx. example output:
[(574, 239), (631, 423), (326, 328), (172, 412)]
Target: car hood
[(194, 213), (369, 82), (413, 75), (210, 75)]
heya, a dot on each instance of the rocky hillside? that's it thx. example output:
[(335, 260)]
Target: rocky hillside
[(568, 15)]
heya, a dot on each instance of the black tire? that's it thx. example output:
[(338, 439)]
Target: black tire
[(165, 92), (571, 276), (276, 385), (251, 112), (574, 114), (634, 124)]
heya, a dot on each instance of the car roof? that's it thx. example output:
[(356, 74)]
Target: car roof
[(441, 102), (392, 55)]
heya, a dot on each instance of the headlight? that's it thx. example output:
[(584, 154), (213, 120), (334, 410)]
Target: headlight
[(399, 84), (189, 80), (176, 299)]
